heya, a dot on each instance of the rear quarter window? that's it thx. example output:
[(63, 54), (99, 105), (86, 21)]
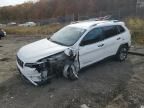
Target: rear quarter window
[(110, 31), (120, 28)]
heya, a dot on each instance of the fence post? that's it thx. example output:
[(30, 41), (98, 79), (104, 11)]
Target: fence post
[(119, 13), (73, 17), (78, 16)]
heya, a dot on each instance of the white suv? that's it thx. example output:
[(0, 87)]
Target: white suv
[(72, 48)]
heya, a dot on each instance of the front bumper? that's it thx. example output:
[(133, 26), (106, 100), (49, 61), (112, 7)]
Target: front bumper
[(30, 74), (45, 69)]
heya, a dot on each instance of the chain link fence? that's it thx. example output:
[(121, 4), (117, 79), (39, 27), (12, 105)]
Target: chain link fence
[(119, 14)]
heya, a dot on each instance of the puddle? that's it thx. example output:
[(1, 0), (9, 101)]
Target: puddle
[(4, 59)]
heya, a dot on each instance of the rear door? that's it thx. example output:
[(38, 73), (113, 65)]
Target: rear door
[(112, 39)]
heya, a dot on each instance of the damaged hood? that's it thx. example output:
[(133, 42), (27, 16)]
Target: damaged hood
[(38, 50)]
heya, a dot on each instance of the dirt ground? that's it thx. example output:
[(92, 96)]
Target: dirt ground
[(107, 84)]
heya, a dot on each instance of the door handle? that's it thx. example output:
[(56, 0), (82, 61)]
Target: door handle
[(118, 38), (100, 45)]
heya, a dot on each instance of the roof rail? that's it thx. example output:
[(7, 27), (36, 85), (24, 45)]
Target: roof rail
[(93, 25), (115, 20), (108, 17), (74, 22)]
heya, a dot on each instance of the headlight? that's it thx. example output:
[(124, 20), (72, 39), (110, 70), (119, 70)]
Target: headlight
[(40, 67), (31, 65), (48, 63)]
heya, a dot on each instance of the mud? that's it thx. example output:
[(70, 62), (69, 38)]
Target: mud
[(107, 84)]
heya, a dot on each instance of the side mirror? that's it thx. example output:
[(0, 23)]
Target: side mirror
[(83, 43), (70, 52)]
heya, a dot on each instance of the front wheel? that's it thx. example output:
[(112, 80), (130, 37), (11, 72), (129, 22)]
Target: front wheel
[(70, 72), (122, 53)]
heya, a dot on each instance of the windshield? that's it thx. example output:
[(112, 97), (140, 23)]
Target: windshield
[(67, 36)]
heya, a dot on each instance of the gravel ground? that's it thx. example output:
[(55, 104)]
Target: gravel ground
[(108, 83)]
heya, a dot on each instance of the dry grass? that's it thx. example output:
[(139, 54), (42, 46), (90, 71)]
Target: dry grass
[(46, 29), (136, 25)]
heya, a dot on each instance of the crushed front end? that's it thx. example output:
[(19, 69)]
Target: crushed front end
[(44, 69)]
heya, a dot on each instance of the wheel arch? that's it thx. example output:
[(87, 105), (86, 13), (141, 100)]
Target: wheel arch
[(125, 44)]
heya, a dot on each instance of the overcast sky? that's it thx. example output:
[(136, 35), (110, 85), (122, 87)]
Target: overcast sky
[(12, 2)]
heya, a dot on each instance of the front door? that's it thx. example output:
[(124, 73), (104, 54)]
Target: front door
[(91, 48)]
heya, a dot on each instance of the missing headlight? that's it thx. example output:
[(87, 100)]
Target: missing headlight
[(31, 65)]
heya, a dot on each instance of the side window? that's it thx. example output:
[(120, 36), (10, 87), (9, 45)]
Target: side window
[(110, 31), (93, 36), (120, 28)]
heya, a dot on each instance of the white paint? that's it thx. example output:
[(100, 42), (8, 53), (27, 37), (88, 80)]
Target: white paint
[(88, 54), (37, 50)]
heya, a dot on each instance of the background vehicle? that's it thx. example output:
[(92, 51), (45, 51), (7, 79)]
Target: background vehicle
[(12, 24), (28, 24), (72, 48), (2, 33)]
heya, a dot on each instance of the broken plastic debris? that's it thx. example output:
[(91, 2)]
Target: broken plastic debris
[(84, 106), (11, 97), (51, 96)]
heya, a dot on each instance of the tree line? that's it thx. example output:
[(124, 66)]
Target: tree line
[(45, 9)]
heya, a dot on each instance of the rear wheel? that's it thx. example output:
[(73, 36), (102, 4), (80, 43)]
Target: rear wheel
[(122, 53)]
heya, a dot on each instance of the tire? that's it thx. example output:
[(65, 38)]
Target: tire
[(70, 72), (122, 53)]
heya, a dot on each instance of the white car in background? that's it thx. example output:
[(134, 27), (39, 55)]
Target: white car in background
[(73, 48), (28, 24), (2, 25), (12, 24)]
